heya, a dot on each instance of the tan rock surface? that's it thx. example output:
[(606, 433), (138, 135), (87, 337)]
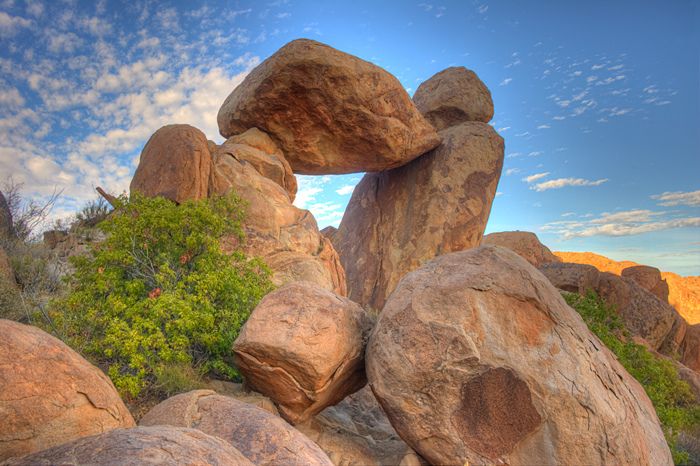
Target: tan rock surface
[(175, 164), (256, 148), (691, 348), (161, 445), (303, 347), (329, 112), (261, 437), (49, 394), (453, 96), (648, 278), (524, 244), (477, 359), (574, 278), (439, 203)]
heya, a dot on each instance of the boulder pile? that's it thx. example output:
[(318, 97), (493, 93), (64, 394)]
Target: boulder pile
[(395, 339)]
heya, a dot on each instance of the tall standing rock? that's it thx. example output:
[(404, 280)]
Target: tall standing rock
[(439, 203), (175, 164), (477, 359), (49, 394), (453, 96), (330, 112)]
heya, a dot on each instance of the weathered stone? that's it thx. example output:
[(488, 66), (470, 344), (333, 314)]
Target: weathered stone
[(329, 232), (691, 347), (261, 437), (159, 445), (574, 278), (453, 96), (256, 148), (477, 359), (303, 346), (49, 394), (439, 203), (648, 278), (330, 112), (524, 244), (175, 164)]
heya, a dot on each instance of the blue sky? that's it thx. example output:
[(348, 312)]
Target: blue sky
[(598, 101)]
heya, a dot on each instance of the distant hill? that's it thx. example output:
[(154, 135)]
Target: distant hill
[(684, 292)]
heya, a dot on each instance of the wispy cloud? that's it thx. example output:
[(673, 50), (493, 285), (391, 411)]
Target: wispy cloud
[(345, 190), (535, 177), (505, 82), (563, 182), (690, 198)]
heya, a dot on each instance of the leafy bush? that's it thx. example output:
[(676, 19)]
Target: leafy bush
[(672, 398), (157, 303)]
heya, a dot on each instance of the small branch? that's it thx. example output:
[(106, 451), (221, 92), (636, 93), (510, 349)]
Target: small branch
[(113, 201)]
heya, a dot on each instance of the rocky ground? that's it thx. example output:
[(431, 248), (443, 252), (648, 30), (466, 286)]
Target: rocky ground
[(404, 337)]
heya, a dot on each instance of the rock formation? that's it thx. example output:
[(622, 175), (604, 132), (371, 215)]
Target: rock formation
[(453, 96), (160, 445), (330, 112), (648, 278), (477, 359), (398, 219), (574, 278), (261, 437), (49, 394), (175, 164), (303, 346), (524, 244), (690, 348)]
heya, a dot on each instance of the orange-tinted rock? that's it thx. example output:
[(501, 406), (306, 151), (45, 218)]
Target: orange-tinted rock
[(399, 219), (261, 437), (329, 232), (684, 295), (477, 359), (49, 394), (453, 96), (175, 164), (159, 445), (601, 263), (256, 148), (329, 112), (303, 347), (691, 348), (524, 244), (648, 278)]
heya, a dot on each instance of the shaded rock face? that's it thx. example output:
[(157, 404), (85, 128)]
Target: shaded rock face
[(330, 112), (264, 439), (574, 278), (648, 278), (524, 244), (356, 432), (258, 149), (6, 228), (477, 359), (161, 445), (303, 346), (175, 164), (453, 96), (439, 203), (49, 394), (691, 348)]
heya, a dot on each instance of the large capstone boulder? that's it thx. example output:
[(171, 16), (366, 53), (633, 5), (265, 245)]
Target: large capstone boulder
[(263, 438), (453, 96), (477, 359), (160, 445), (648, 278), (398, 219), (523, 243), (49, 394), (330, 112), (303, 347), (175, 164)]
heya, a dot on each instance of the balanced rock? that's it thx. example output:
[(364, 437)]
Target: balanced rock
[(574, 278), (49, 394), (648, 278), (175, 164), (330, 112), (256, 148), (524, 244), (453, 96), (263, 438), (161, 445), (439, 203), (477, 359), (303, 347)]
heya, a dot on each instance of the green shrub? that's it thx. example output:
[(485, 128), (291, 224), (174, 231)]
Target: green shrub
[(672, 398), (157, 303)]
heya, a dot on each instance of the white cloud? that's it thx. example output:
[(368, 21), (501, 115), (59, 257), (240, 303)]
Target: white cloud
[(543, 127), (512, 171), (562, 182), (9, 25), (345, 190), (505, 82), (535, 177), (690, 198)]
